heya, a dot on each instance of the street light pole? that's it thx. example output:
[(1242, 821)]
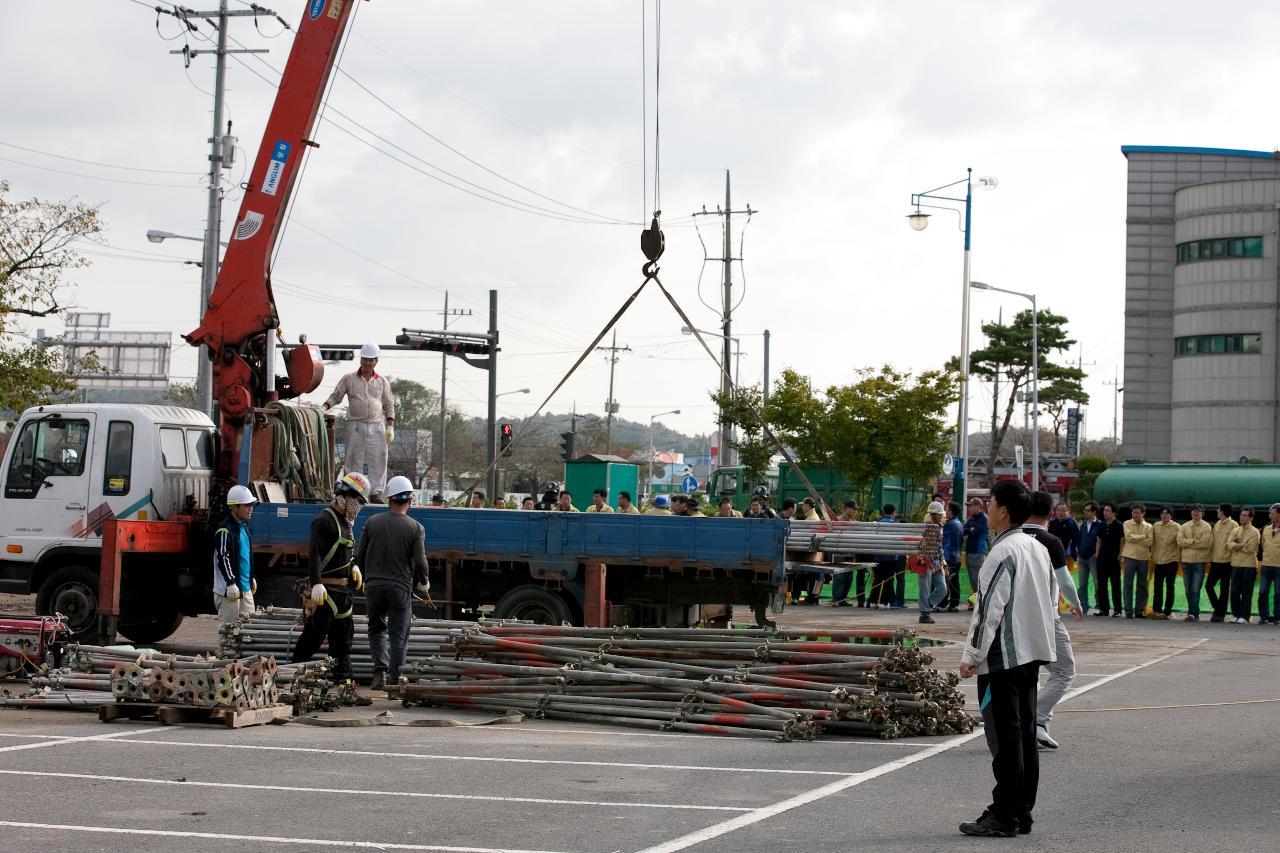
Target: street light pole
[(919, 221), (1035, 377)]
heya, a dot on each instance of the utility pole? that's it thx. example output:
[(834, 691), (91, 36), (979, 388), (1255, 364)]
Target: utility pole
[(726, 314), (766, 366), (492, 455), (221, 154), (611, 405), (444, 374), (1116, 388)]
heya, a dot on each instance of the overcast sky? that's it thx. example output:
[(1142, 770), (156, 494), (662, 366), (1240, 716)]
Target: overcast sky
[(829, 116)]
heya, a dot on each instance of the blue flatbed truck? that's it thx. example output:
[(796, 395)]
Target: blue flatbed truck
[(585, 568)]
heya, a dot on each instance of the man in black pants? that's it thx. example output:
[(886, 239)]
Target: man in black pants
[(1011, 635), (1218, 584), (334, 576), (1110, 543), (395, 563)]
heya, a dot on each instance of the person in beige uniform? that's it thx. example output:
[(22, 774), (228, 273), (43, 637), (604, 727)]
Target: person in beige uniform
[(1195, 538), (625, 506), (599, 500), (1164, 550), (1243, 546), (1269, 591), (1218, 584), (1135, 555), (371, 417), (660, 506)]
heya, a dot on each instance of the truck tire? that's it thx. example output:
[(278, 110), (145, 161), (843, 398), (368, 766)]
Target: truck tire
[(73, 592), (154, 628), (534, 603)]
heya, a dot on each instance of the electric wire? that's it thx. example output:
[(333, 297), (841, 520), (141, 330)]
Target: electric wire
[(99, 163), (97, 177)]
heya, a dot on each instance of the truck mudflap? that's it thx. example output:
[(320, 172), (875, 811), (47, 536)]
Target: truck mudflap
[(120, 537)]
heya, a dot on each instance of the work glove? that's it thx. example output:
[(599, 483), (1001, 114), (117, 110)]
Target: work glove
[(391, 434), (253, 585), (423, 588), (233, 593), (356, 577), (318, 593)]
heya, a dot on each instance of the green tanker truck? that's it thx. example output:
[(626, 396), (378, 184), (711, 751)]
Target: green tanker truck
[(1180, 486)]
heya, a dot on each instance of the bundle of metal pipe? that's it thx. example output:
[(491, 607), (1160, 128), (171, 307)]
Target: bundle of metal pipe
[(239, 684), (750, 683), (854, 537)]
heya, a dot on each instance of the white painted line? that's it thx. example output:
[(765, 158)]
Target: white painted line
[(261, 839), (419, 756), (38, 737), (90, 738), (753, 817), (365, 793), (527, 729)]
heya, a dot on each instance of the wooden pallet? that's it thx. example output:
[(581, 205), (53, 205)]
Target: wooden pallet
[(170, 715)]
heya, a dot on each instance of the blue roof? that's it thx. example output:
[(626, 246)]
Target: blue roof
[(1179, 149)]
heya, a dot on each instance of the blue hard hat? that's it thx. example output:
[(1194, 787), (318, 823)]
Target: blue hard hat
[(661, 500)]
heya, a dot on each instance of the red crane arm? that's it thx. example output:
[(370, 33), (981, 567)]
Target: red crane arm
[(241, 313)]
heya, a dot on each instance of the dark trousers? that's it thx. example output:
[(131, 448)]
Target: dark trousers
[(1218, 587), (862, 587), (390, 610), (882, 582), (1008, 702), (953, 586), (1109, 579), (1166, 575), (900, 582), (1242, 580), (324, 624)]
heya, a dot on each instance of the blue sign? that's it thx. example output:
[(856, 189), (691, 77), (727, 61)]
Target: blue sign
[(317, 6), (275, 168), (689, 484)]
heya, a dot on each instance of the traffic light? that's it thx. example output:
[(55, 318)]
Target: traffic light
[(566, 446), (504, 431), (337, 355), (445, 345)]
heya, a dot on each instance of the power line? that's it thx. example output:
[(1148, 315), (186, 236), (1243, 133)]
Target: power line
[(97, 177), (96, 163)]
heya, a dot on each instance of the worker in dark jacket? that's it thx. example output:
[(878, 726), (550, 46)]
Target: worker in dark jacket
[(334, 577), (233, 583), (392, 551)]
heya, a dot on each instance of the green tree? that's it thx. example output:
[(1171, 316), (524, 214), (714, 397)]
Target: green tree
[(417, 406), (181, 394), (1054, 397), (755, 451), (1008, 355), (37, 248)]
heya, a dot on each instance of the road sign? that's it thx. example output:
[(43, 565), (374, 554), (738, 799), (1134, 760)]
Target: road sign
[(689, 484), (948, 465)]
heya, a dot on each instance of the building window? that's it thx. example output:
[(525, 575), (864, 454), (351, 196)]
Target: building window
[(1247, 343), (1220, 248)]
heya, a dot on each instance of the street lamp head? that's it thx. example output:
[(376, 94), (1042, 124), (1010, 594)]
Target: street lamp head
[(685, 330), (979, 285), (677, 411), (158, 236), (988, 182), (918, 220)]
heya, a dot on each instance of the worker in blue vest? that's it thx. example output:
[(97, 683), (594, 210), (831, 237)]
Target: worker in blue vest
[(233, 583)]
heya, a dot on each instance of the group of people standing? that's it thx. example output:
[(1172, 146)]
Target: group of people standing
[(388, 563), (1225, 560)]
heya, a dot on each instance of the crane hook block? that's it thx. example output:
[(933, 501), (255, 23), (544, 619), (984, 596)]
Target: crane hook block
[(652, 243)]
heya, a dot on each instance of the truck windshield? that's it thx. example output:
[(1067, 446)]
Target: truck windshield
[(48, 447)]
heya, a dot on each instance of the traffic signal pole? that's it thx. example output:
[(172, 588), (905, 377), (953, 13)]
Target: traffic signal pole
[(492, 432)]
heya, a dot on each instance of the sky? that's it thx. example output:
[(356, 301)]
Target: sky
[(828, 116)]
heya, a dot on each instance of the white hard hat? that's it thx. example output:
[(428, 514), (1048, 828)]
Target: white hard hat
[(936, 507), (240, 496), (399, 488), (370, 351)]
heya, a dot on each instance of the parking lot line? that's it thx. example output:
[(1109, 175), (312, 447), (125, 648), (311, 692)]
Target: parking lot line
[(422, 756), (107, 737), (829, 741), (365, 792), (855, 779), (261, 839)]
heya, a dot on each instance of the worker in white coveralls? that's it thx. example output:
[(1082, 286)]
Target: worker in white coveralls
[(371, 417)]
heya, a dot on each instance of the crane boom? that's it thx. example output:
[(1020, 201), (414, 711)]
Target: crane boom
[(241, 315)]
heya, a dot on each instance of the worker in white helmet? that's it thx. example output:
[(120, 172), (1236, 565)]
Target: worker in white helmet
[(371, 417), (233, 583)]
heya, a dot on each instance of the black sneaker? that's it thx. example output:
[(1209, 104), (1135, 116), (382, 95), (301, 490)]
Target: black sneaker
[(926, 619), (379, 681), (990, 827), (953, 609)]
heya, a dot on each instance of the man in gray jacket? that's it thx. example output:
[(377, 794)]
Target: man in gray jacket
[(1011, 635), (392, 555)]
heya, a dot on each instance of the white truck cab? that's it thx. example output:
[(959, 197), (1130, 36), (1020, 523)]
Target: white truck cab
[(70, 467)]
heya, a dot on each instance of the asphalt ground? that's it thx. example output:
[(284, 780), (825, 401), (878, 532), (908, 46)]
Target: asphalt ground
[(1170, 740)]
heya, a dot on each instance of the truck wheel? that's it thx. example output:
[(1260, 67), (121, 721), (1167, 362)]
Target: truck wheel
[(154, 628), (534, 603), (73, 592)]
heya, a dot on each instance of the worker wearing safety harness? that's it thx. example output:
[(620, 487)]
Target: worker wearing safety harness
[(371, 418), (334, 577), (233, 583)]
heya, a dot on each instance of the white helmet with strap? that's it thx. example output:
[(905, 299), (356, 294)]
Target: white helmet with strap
[(240, 496), (399, 489), (370, 350)]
